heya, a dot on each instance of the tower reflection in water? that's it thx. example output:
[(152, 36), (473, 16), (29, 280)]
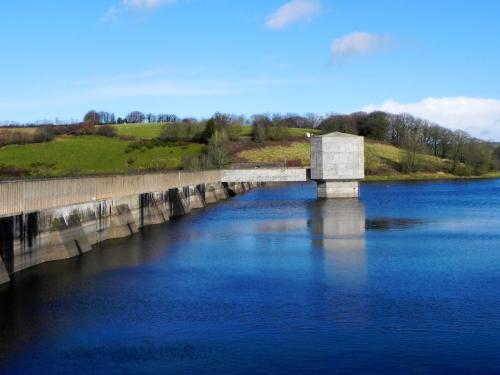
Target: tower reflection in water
[(338, 231)]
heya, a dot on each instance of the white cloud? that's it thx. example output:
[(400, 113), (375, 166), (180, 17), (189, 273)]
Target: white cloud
[(147, 4), (478, 116), (293, 11), (358, 43), (163, 88), (110, 16), (152, 83)]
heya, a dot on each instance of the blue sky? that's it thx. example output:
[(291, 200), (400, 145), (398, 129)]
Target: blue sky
[(436, 59)]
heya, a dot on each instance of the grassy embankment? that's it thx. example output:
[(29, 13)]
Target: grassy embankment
[(84, 155)]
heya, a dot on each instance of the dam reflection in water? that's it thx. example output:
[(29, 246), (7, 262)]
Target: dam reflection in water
[(27, 302)]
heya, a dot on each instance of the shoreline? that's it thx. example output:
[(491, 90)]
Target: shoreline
[(369, 178), (429, 177)]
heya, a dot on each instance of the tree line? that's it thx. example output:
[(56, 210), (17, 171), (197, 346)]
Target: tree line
[(469, 155), (134, 117)]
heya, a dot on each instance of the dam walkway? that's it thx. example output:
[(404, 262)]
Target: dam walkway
[(44, 220)]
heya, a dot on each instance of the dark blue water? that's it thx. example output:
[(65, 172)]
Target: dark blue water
[(406, 280)]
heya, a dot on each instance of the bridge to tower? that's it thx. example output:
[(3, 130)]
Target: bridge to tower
[(337, 166)]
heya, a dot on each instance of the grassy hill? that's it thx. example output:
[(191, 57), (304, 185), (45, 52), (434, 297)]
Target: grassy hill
[(86, 155), (71, 155)]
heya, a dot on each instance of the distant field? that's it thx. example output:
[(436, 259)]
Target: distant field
[(153, 130), (149, 131), (91, 155), (30, 130), (280, 153), (139, 130)]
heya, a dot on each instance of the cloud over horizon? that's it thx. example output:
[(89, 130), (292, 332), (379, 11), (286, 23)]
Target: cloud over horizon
[(152, 83), (110, 16), (147, 4), (478, 116), (359, 43), (293, 11)]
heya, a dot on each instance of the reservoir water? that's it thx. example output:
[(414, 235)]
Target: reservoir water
[(405, 280)]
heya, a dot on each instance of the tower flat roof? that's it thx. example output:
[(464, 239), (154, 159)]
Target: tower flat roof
[(338, 135)]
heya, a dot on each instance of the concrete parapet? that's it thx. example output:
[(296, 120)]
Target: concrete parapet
[(265, 175), (24, 196)]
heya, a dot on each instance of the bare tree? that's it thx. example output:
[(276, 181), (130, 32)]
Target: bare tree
[(106, 117), (91, 118), (135, 117), (151, 118)]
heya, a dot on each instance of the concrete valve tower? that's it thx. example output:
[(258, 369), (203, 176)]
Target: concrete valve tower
[(337, 164)]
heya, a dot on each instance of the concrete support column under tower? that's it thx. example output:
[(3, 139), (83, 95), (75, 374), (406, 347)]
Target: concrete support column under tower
[(338, 189)]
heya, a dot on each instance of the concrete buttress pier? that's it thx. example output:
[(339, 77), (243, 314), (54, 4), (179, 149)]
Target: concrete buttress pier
[(337, 164), (47, 220), (4, 276)]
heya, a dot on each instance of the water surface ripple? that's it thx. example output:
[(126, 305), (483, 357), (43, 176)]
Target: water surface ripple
[(404, 280)]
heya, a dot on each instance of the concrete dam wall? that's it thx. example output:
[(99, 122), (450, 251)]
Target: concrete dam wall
[(52, 219), (55, 219)]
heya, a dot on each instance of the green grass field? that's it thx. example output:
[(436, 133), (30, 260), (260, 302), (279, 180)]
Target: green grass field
[(87, 155), (92, 155), (294, 151), (147, 131)]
